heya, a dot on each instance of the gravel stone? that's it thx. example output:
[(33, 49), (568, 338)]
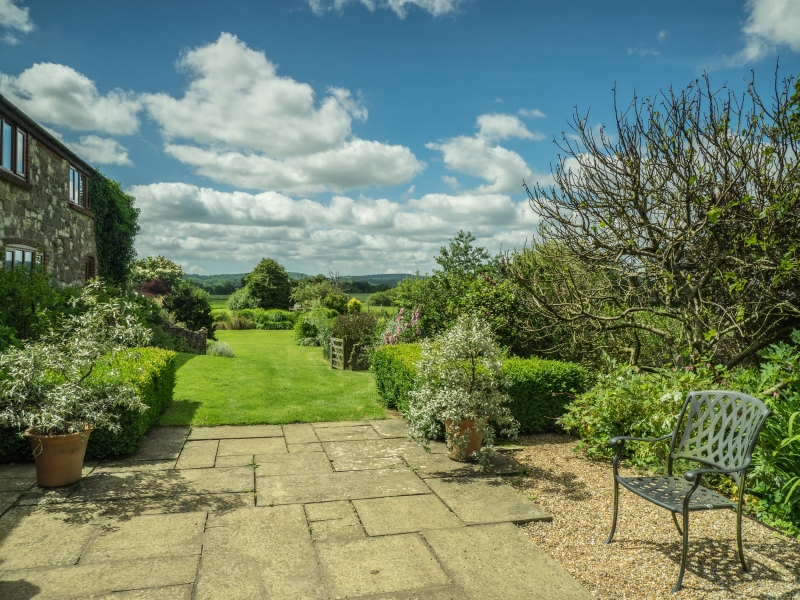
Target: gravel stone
[(644, 559)]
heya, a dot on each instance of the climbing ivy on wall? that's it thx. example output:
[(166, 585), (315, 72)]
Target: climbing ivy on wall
[(115, 227)]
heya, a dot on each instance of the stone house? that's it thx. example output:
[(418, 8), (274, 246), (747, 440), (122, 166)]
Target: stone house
[(45, 210)]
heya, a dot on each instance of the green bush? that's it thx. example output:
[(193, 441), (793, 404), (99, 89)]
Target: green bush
[(241, 299), (540, 390), (30, 303), (380, 299), (152, 376), (304, 329), (335, 301), (395, 369), (359, 328), (269, 319), (215, 348), (191, 305)]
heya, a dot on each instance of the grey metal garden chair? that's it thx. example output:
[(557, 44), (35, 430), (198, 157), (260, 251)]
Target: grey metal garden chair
[(720, 432)]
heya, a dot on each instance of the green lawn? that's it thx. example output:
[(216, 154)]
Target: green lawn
[(219, 305), (271, 380), (389, 310)]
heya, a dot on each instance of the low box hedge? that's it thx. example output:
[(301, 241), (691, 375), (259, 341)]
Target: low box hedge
[(540, 389), (269, 319), (152, 374)]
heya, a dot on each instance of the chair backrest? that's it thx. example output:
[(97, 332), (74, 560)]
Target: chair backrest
[(721, 428)]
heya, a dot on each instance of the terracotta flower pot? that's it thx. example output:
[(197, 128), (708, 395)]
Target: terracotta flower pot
[(59, 458), (475, 438)]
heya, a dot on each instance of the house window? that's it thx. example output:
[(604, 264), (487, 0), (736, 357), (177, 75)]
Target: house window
[(22, 258), (90, 270), (13, 142), (77, 187)]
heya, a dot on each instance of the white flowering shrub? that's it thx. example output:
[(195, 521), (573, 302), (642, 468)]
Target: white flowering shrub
[(460, 377), (216, 348), (46, 386)]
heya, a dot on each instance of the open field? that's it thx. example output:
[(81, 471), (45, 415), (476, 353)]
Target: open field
[(271, 380)]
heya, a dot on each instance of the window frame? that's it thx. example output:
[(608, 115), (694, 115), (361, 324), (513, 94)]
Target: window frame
[(78, 188), (16, 153), (37, 257)]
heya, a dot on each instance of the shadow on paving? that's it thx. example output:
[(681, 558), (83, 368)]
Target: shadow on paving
[(21, 589)]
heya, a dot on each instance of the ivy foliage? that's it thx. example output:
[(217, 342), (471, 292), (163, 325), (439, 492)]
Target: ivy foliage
[(115, 227)]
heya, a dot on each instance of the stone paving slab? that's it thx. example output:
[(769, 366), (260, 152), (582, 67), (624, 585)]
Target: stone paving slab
[(259, 553), (31, 538), (450, 592), (322, 487), (328, 424), (25, 470), (235, 460), (173, 592), (162, 443), (328, 511), (82, 581), (37, 496), (252, 446), (121, 510), (7, 499), (502, 561), (270, 465), (17, 484), (299, 433), (441, 465), (486, 500), (404, 514), (369, 464), (390, 428), (110, 466), (385, 565), (350, 455), (143, 484), (198, 454), (228, 432), (345, 527), (333, 434), (304, 448), (147, 537)]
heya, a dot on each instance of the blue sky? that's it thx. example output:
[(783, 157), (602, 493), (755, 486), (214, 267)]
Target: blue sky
[(354, 135)]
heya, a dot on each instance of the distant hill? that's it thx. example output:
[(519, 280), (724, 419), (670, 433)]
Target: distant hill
[(222, 284)]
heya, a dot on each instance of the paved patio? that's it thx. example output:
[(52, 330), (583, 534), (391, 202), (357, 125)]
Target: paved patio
[(323, 510)]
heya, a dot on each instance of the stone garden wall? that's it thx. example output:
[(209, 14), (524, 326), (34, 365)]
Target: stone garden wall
[(195, 339)]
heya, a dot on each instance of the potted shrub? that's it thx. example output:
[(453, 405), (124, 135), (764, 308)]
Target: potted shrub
[(46, 388), (461, 387)]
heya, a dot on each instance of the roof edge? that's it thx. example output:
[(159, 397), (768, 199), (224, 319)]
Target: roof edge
[(40, 132)]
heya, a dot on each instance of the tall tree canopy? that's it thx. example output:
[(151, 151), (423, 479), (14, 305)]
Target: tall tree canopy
[(269, 284), (115, 227), (680, 228)]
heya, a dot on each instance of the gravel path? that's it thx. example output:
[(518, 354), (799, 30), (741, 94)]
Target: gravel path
[(644, 559)]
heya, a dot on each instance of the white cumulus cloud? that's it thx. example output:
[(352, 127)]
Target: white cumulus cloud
[(203, 226), (101, 151), (435, 7), (242, 123), (480, 156), (14, 17), (60, 96), (771, 25)]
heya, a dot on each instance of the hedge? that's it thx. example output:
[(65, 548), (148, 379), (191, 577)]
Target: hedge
[(153, 377), (274, 319), (395, 371), (540, 389)]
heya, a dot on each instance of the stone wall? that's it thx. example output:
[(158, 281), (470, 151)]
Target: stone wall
[(196, 340), (38, 213)]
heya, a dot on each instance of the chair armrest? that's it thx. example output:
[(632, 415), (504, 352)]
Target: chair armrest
[(692, 474), (624, 438)]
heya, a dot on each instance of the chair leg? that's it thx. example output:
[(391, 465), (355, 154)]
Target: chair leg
[(616, 508), (739, 537), (675, 520), (685, 551)]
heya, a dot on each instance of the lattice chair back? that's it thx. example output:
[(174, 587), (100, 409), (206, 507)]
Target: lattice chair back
[(721, 429)]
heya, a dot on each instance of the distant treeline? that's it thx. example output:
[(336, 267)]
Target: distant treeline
[(223, 285)]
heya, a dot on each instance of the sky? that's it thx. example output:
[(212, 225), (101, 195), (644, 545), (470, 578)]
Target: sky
[(355, 136)]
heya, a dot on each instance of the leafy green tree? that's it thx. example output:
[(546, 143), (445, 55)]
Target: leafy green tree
[(241, 299), (30, 303), (115, 227), (380, 299), (152, 267), (269, 284), (336, 301), (190, 305)]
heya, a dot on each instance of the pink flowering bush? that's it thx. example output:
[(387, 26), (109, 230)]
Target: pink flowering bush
[(404, 329)]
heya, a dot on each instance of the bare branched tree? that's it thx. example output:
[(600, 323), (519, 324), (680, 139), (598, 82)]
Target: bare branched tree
[(680, 229)]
